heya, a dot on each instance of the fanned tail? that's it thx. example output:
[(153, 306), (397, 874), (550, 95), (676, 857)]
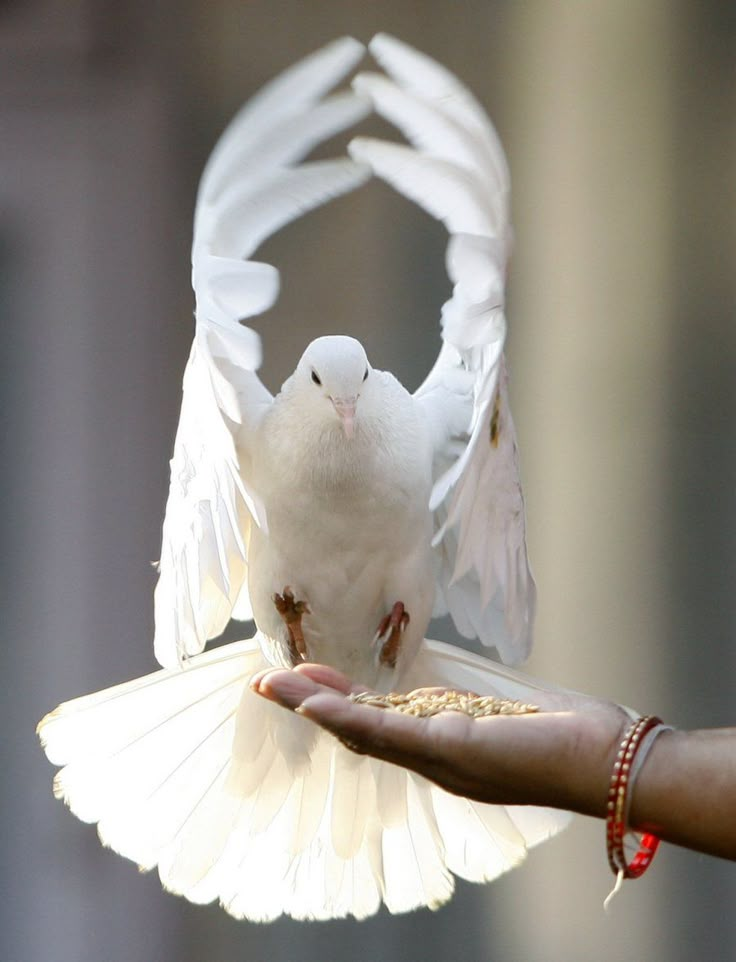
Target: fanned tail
[(235, 799)]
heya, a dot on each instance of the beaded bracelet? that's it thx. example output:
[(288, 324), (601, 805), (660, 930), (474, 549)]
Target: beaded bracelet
[(634, 747)]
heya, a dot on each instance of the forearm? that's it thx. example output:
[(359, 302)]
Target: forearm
[(686, 791)]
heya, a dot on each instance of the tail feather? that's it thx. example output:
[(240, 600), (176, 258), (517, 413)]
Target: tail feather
[(537, 824), (438, 663), (200, 841), (252, 879), (308, 800), (237, 800), (350, 886), (107, 721), (481, 841), (391, 802), (139, 765), (353, 801), (163, 817), (414, 869), (321, 885)]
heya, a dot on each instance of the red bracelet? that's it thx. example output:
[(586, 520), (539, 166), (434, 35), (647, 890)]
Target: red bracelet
[(619, 797)]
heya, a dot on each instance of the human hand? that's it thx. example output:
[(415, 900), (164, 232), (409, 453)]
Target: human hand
[(560, 756)]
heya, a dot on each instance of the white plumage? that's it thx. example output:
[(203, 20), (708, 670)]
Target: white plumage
[(352, 492)]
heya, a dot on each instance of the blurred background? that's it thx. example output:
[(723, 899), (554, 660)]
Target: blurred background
[(619, 119)]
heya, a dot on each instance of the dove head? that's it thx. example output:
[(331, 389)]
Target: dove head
[(331, 373)]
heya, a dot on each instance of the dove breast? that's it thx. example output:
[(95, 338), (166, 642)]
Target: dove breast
[(349, 527)]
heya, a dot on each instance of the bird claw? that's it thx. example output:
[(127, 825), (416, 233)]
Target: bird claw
[(291, 612), (390, 633)]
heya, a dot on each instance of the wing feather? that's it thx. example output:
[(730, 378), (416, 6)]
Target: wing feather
[(283, 98), (421, 75), (455, 169), (442, 188), (252, 185)]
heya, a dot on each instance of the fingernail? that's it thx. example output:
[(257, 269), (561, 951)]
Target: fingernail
[(256, 680)]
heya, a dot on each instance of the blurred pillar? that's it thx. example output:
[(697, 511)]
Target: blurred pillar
[(590, 319), (87, 248), (702, 441)]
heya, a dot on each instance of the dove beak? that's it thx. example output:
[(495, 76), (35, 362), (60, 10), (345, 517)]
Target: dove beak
[(345, 408)]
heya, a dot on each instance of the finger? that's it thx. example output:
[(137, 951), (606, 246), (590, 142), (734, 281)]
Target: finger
[(285, 687), (258, 677), (330, 677)]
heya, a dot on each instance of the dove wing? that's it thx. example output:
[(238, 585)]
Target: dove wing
[(252, 185), (456, 170)]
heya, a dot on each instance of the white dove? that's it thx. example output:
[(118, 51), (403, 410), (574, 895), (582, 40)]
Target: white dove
[(340, 515)]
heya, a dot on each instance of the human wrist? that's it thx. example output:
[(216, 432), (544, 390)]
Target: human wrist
[(590, 759), (654, 779)]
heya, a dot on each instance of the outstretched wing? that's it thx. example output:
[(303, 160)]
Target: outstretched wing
[(251, 186), (456, 170)]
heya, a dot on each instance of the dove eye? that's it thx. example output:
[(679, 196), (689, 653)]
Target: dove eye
[(366, 374), (315, 378)]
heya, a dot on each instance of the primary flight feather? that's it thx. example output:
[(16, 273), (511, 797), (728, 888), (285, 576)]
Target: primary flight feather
[(340, 515)]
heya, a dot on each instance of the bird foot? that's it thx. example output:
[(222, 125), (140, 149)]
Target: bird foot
[(390, 633), (291, 611)]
